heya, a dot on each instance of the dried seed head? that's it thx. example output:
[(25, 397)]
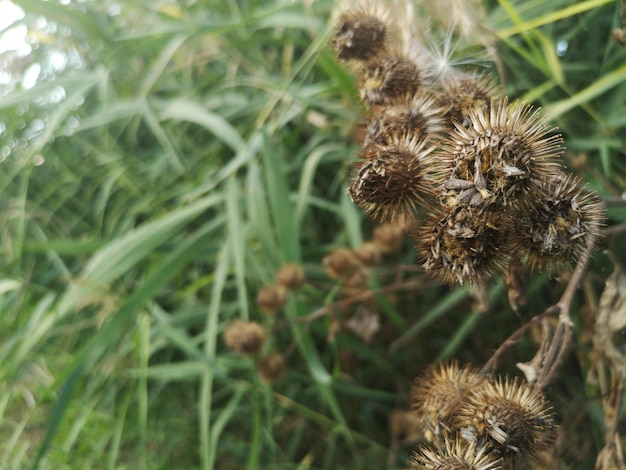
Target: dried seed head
[(415, 116), (555, 227), (438, 394), (455, 455), (387, 78), (290, 276), (513, 416), (462, 245), (368, 253), (271, 367), (465, 92), (271, 298), (355, 283), (389, 237), (502, 153), (396, 179), (361, 33), (340, 263), (244, 337)]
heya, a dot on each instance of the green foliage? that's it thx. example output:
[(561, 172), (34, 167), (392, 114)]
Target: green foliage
[(151, 187)]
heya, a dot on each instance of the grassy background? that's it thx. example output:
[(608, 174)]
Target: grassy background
[(151, 186)]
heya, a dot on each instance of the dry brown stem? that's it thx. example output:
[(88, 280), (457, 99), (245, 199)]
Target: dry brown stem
[(554, 340)]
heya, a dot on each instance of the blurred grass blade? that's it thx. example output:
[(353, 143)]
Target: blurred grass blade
[(182, 109), (608, 81), (522, 26)]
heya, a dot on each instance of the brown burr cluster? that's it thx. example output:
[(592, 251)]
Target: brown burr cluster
[(475, 422), (479, 176)]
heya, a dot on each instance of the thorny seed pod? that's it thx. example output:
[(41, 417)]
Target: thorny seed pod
[(361, 33), (460, 94), (416, 116), (462, 245), (271, 367), (387, 78), (340, 263), (557, 226), (290, 276), (513, 416), (244, 337), (271, 298), (500, 155), (438, 394), (396, 179), (455, 455)]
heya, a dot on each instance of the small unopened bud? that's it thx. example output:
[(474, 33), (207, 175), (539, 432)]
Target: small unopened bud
[(244, 337), (271, 298), (340, 263), (271, 367), (291, 276)]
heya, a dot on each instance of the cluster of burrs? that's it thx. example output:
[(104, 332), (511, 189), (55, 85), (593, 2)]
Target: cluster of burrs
[(479, 178), (474, 422)]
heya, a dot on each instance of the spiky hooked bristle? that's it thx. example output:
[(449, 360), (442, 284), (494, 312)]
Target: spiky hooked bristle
[(513, 416), (437, 395), (455, 455), (502, 153), (460, 94), (361, 33), (387, 78), (461, 245), (557, 226), (393, 180), (417, 115)]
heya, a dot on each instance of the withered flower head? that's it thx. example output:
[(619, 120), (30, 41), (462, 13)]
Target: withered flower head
[(513, 416), (387, 78), (500, 153), (462, 245), (557, 225), (465, 92), (396, 179), (361, 33), (438, 394), (290, 276), (455, 455), (271, 367), (418, 115), (244, 337), (271, 298), (340, 263)]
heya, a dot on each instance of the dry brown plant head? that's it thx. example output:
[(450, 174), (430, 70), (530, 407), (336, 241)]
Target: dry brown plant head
[(464, 92), (418, 116), (455, 455), (271, 298), (462, 245), (513, 416), (270, 368), (556, 225), (387, 78), (394, 180), (244, 337), (360, 34), (290, 276), (500, 154), (438, 394)]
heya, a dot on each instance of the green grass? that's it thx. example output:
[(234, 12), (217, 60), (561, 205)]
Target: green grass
[(196, 150)]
